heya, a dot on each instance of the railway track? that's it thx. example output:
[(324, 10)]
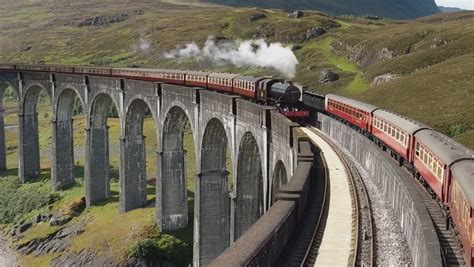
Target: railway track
[(304, 245), (304, 250), (452, 252)]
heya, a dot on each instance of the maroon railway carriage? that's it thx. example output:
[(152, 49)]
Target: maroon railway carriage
[(49, 68), (461, 203), (141, 74), (196, 78), (356, 112), (167, 76), (93, 70), (246, 85), (221, 81), (396, 132), (434, 154)]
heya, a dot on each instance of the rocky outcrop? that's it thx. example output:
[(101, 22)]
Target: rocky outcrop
[(59, 219), (24, 227), (328, 76), (437, 42), (384, 78), (362, 55), (256, 16), (53, 243), (103, 20), (296, 14), (314, 33)]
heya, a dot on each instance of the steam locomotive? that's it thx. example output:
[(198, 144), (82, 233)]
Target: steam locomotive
[(280, 93)]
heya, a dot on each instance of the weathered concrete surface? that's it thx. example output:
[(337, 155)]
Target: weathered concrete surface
[(251, 180), (217, 130), (281, 163), (397, 186), (65, 89), (266, 240), (180, 107)]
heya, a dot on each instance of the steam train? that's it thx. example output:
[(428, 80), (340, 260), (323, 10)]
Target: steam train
[(443, 165), (279, 93)]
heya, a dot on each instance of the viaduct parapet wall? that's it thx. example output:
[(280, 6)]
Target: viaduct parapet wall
[(267, 239), (397, 187), (259, 139)]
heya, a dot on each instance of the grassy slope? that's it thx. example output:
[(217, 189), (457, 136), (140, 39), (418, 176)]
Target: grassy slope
[(109, 241)]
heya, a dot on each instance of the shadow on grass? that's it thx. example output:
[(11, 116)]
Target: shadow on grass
[(44, 175), (113, 198)]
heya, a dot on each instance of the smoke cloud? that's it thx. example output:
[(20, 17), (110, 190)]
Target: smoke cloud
[(142, 46), (246, 53)]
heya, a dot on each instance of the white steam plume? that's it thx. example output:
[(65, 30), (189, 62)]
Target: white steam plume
[(256, 53), (142, 46)]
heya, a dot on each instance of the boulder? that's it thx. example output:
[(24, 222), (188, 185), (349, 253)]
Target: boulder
[(24, 227), (57, 220), (438, 42), (43, 218), (296, 14), (384, 78), (256, 16), (328, 76), (315, 33)]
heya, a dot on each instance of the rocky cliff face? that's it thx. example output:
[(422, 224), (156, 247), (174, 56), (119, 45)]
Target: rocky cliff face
[(396, 9)]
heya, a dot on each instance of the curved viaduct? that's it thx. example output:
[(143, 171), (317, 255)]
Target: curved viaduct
[(260, 141)]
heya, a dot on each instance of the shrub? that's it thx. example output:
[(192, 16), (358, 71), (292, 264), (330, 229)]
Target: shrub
[(162, 248), (456, 130), (147, 249), (16, 201), (176, 250)]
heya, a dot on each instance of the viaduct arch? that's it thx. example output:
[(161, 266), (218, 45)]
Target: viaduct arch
[(260, 141)]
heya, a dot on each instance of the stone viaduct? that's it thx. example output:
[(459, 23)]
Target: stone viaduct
[(260, 141)]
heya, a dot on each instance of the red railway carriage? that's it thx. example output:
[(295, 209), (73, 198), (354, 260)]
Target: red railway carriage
[(131, 73), (176, 77), (48, 68), (353, 111), (246, 85), (221, 81), (93, 70), (196, 78), (396, 131), (462, 205), (434, 153)]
